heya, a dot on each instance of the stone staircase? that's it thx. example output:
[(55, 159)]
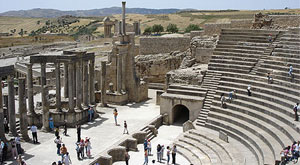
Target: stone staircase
[(149, 134), (210, 83), (263, 123)]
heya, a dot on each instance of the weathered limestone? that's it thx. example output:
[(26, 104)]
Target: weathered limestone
[(2, 133), (58, 87), (66, 77), (30, 90), (23, 110), (122, 55), (167, 82), (45, 105), (11, 107), (85, 84), (123, 18), (71, 92), (74, 79), (92, 81), (119, 73), (79, 85), (43, 74), (103, 83)]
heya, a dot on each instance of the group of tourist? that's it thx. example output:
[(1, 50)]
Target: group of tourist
[(160, 151), (290, 153), (16, 150), (80, 146)]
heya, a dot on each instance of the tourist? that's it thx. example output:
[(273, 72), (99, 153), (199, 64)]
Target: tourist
[(78, 133), (18, 144), (88, 148), (1, 151), (65, 128), (14, 151), (78, 150), (162, 152), (145, 144), (296, 150), (20, 160), (93, 113), (158, 149), (67, 159), (270, 38), (127, 156), (149, 147), (231, 94), (6, 127), (4, 150), (125, 128), (89, 114), (56, 131), (146, 157), (59, 163), (51, 124), (34, 133), (168, 154), (58, 142), (85, 144), (63, 151), (222, 100), (296, 108), (174, 151), (270, 79), (249, 90), (81, 145), (115, 116), (291, 71)]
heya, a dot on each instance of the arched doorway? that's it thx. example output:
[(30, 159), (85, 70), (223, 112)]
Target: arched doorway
[(180, 114)]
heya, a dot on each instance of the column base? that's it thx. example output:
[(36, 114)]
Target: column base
[(103, 105)]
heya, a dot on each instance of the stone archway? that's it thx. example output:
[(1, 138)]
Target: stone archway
[(180, 114)]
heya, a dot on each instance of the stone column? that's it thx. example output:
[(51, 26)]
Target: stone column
[(66, 76), (119, 73), (85, 84), (123, 53), (2, 132), (58, 87), (11, 107), (167, 82), (43, 74), (45, 105), (74, 79), (23, 110), (123, 18), (79, 85), (120, 27), (71, 92), (92, 81), (103, 83), (30, 90)]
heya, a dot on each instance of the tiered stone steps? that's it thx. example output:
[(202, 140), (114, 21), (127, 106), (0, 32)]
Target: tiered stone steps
[(210, 83), (149, 133)]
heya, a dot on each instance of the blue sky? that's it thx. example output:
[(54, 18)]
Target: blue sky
[(6, 5)]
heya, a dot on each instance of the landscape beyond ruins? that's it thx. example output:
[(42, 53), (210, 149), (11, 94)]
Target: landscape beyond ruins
[(197, 86)]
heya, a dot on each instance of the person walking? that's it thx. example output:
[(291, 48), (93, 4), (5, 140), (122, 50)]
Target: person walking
[(231, 95), (174, 151), (249, 90), (18, 144), (222, 100), (127, 156), (78, 133), (291, 71), (158, 149), (125, 128), (14, 151), (51, 124), (65, 128), (67, 159), (63, 151), (115, 113), (58, 142), (145, 144), (146, 157), (296, 108), (168, 154), (78, 150), (34, 133), (56, 131)]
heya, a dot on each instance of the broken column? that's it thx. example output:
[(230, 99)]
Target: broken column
[(79, 85), (66, 77), (119, 73), (167, 82), (58, 88), (23, 110), (30, 90), (11, 106), (70, 80), (120, 27), (123, 18), (2, 132), (123, 52), (92, 81), (85, 83), (103, 83)]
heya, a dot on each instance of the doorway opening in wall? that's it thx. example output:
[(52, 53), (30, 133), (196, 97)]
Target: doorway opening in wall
[(180, 114)]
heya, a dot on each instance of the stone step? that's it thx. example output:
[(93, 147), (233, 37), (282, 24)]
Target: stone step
[(233, 57), (250, 31), (236, 54), (285, 50), (233, 38), (285, 59), (233, 62), (261, 146), (186, 92), (191, 155), (234, 70), (229, 46), (244, 43), (239, 50), (186, 87)]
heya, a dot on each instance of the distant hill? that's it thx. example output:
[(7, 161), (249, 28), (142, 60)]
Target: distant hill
[(51, 13)]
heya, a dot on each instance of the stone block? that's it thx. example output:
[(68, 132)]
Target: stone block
[(188, 125), (223, 136), (158, 93), (203, 55)]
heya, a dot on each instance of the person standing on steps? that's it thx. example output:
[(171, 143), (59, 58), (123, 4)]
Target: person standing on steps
[(125, 128), (270, 78), (291, 71), (296, 108), (115, 116), (249, 90), (78, 133), (222, 100), (174, 151)]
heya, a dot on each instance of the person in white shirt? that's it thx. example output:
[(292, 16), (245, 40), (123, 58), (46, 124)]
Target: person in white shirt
[(34, 133)]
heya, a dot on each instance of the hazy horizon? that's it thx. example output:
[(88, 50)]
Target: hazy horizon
[(66, 5)]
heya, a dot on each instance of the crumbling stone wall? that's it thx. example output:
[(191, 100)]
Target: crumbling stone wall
[(285, 21), (215, 28), (156, 45), (202, 48)]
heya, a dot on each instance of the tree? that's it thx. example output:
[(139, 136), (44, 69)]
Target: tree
[(148, 30), (172, 28), (157, 28), (21, 33), (192, 27)]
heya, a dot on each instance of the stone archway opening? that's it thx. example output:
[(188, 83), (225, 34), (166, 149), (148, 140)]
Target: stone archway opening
[(180, 114)]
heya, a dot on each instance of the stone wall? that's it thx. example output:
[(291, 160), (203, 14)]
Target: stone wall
[(203, 55), (284, 21), (196, 33), (241, 23), (215, 28), (156, 45)]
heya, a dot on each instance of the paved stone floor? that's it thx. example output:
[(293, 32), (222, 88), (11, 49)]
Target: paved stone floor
[(102, 131), (166, 135)]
